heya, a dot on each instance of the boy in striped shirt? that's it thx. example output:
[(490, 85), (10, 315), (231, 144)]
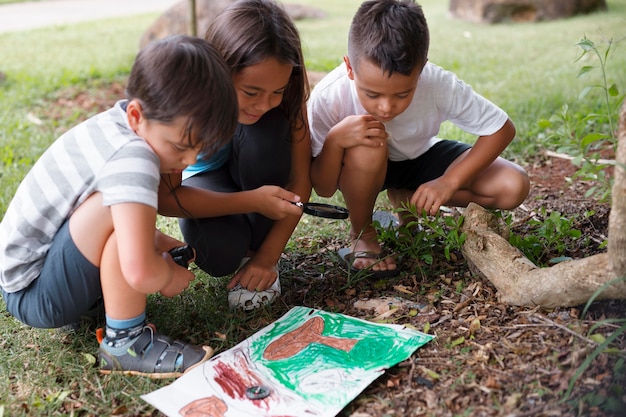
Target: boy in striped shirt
[(80, 233)]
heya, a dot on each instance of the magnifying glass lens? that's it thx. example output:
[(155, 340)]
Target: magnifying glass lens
[(327, 211)]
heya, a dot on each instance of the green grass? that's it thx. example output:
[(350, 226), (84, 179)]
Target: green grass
[(528, 69), (15, 1)]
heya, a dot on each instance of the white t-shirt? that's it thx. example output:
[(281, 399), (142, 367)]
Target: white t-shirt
[(440, 96), (101, 154)]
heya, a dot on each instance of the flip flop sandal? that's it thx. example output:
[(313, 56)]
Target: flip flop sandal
[(348, 257), (247, 300), (154, 355)]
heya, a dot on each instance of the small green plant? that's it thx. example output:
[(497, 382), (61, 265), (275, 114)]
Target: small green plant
[(448, 229), (608, 91), (550, 233), (589, 134), (408, 241), (445, 228)]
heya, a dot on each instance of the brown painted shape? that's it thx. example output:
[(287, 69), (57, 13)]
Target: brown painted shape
[(296, 340), (205, 407)]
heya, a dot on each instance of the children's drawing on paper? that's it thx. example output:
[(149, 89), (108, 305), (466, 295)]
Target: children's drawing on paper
[(307, 363)]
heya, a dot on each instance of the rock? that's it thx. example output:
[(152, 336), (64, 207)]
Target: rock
[(176, 19), (497, 11)]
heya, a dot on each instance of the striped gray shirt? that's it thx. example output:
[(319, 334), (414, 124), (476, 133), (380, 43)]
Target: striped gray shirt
[(102, 154)]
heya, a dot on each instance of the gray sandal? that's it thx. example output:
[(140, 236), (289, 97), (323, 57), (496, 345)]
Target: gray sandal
[(154, 355)]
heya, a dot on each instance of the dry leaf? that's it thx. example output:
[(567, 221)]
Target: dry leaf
[(474, 326), (121, 410), (403, 289), (511, 400)]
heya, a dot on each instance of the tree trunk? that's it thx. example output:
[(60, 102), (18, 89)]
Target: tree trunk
[(193, 20), (617, 217), (571, 283)]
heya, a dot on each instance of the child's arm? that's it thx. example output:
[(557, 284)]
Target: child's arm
[(357, 130), (146, 267), (259, 271), (269, 200), (432, 195)]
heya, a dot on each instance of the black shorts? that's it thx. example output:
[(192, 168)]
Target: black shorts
[(412, 173)]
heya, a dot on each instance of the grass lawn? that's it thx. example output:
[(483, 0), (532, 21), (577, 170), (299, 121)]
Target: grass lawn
[(528, 69), (15, 1)]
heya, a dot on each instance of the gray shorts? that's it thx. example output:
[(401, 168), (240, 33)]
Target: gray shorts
[(412, 173), (67, 288)]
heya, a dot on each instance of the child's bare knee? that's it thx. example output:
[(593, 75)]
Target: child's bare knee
[(365, 159), (515, 191)]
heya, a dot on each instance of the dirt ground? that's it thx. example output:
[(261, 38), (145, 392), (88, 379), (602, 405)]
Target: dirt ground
[(488, 359), (492, 359)]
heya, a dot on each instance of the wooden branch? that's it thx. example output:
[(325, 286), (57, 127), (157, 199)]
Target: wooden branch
[(571, 158), (519, 281)]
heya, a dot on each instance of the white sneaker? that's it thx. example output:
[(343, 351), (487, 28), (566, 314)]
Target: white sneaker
[(240, 297)]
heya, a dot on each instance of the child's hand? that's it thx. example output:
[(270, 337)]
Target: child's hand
[(430, 196), (254, 276), (181, 277), (164, 243), (358, 130), (275, 202)]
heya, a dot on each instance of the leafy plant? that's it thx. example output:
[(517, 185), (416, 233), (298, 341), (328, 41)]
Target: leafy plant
[(447, 228), (419, 243), (586, 134), (589, 47), (549, 233)]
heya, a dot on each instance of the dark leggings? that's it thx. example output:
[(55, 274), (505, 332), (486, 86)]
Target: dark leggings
[(261, 155)]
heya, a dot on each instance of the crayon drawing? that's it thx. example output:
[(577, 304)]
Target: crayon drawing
[(307, 363)]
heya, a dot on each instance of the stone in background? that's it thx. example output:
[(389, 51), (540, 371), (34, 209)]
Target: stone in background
[(176, 20), (497, 11)]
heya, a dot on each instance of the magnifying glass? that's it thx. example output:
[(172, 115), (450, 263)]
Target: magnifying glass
[(182, 255), (327, 211)]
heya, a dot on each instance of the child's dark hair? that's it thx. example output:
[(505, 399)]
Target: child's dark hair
[(250, 31), (391, 34), (186, 76)]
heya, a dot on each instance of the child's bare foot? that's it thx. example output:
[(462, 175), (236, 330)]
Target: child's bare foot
[(365, 254)]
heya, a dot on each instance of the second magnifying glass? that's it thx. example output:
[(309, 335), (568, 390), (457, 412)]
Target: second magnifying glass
[(327, 211)]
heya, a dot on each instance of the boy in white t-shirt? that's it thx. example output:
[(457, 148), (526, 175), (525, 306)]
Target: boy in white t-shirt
[(374, 122)]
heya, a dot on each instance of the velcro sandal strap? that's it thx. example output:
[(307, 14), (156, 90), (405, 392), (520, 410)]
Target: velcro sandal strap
[(143, 342), (168, 358), (153, 357), (193, 354)]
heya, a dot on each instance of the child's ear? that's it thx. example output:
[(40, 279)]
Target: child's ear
[(349, 67), (134, 113)]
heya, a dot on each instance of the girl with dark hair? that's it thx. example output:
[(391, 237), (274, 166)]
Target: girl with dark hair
[(236, 207)]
